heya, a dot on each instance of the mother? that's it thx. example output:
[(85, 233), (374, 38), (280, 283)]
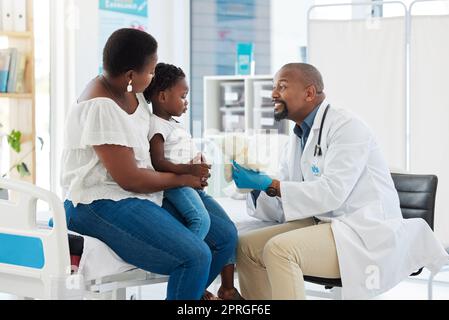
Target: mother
[(112, 191)]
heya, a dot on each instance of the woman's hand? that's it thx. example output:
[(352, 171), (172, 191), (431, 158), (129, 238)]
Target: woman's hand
[(193, 181), (200, 170)]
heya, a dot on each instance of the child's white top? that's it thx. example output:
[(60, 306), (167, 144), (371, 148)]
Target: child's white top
[(97, 122), (179, 146)]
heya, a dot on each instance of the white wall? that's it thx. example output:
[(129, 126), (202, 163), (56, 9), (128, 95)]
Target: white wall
[(289, 27), (430, 109), (168, 23), (288, 31), (86, 44), (63, 18)]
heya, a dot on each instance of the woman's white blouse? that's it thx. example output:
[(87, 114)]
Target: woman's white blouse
[(96, 122)]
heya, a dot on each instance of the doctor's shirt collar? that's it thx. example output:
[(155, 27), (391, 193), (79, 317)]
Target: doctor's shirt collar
[(303, 130)]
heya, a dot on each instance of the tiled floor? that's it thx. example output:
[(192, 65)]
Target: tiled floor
[(415, 289), (407, 290)]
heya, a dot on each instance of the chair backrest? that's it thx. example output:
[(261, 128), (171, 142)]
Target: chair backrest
[(417, 200), (417, 195)]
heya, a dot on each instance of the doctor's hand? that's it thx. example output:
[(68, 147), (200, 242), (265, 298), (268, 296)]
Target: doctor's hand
[(249, 179)]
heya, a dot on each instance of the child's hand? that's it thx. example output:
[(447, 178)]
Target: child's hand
[(200, 170), (199, 158)]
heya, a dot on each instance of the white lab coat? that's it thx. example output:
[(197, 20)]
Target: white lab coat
[(376, 247)]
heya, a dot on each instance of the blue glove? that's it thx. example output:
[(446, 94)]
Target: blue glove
[(249, 179)]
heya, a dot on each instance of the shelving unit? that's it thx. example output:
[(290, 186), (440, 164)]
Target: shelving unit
[(21, 106), (239, 103)]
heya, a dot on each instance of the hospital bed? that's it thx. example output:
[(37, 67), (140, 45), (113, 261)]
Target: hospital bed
[(35, 259)]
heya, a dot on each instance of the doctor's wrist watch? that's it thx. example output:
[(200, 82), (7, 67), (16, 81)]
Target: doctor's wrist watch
[(274, 189)]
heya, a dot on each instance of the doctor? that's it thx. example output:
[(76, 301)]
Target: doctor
[(336, 201)]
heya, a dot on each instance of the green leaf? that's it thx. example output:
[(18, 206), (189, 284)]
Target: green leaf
[(14, 140), (23, 170)]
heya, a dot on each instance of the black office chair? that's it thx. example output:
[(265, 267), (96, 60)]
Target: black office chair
[(417, 200)]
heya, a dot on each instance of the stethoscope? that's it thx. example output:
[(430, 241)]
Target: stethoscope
[(318, 152)]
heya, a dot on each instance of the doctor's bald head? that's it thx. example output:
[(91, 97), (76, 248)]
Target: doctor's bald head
[(297, 89), (307, 74)]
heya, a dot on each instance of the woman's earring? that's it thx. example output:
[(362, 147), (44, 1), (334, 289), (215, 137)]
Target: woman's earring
[(130, 87)]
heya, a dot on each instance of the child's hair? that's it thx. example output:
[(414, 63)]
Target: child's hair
[(165, 77)]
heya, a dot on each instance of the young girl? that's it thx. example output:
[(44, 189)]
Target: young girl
[(173, 150)]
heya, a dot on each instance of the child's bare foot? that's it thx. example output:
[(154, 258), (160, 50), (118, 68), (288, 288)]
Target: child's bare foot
[(229, 294), (209, 296)]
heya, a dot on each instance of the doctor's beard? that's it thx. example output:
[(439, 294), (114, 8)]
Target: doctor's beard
[(281, 115)]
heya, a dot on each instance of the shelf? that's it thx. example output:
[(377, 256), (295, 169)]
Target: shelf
[(265, 107), (257, 111), (22, 115), (14, 34), (239, 78), (16, 95), (232, 109)]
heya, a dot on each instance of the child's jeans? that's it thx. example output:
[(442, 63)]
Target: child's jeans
[(190, 204), (214, 210)]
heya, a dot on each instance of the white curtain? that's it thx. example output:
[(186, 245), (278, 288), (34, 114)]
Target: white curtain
[(430, 108), (363, 63)]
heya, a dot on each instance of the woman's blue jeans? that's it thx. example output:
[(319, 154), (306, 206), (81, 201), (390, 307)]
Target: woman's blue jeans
[(148, 237)]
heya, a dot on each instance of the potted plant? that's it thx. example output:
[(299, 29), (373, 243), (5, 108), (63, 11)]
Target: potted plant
[(14, 141)]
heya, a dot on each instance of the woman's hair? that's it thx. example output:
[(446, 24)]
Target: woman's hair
[(165, 77), (128, 49)]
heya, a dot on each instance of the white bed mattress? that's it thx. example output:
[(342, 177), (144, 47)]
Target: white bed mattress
[(98, 260)]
